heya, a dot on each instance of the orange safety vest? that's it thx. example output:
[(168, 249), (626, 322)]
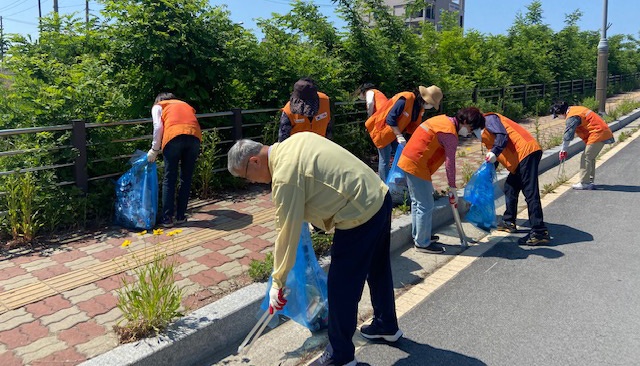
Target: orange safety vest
[(178, 118), (593, 128), (380, 132), (423, 154), (317, 124), (520, 145), (379, 99)]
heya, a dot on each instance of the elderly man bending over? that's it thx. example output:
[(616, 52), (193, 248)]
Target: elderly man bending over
[(315, 180)]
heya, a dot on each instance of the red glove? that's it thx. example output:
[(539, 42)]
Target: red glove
[(453, 196), (562, 155), (277, 300)]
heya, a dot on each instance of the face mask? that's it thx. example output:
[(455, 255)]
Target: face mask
[(427, 106), (478, 133), (463, 131)]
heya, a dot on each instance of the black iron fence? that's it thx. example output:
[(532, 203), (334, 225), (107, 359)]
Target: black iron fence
[(83, 155)]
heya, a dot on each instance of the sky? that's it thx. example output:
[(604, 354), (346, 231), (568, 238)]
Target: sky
[(486, 16)]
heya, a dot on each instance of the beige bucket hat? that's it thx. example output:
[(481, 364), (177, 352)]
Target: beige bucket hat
[(431, 95)]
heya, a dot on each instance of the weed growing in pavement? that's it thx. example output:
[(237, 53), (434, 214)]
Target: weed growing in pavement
[(461, 153), (623, 136), (205, 181), (405, 207), (152, 300), (321, 242), (259, 271), (467, 172), (536, 125)]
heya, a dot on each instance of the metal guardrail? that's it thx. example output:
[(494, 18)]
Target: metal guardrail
[(238, 123)]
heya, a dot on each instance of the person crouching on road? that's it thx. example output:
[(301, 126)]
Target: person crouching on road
[(515, 148), (316, 180), (374, 98), (592, 129), (403, 112), (176, 132), (434, 142), (307, 110)]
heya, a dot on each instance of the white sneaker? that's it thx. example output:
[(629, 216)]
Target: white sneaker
[(580, 186)]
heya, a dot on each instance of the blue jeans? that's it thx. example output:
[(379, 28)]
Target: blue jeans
[(384, 160), (421, 192), (359, 254), (179, 153)]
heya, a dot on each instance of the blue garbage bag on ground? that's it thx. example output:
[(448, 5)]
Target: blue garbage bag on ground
[(397, 179), (479, 193), (137, 194), (307, 299)]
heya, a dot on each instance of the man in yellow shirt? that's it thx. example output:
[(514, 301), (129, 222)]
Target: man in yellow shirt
[(315, 180)]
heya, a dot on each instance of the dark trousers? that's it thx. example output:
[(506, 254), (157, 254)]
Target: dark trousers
[(525, 179), (179, 154), (360, 254)]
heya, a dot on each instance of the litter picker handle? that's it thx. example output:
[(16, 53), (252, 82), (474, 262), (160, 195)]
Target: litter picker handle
[(456, 217), (253, 330)]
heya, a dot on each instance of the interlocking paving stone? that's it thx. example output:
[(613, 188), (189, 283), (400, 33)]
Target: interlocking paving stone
[(14, 318), (39, 349), (18, 281), (64, 319), (83, 293), (98, 345)]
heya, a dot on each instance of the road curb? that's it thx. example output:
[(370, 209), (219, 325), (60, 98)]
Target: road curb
[(226, 322)]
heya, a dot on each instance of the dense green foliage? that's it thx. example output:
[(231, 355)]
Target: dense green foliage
[(112, 68)]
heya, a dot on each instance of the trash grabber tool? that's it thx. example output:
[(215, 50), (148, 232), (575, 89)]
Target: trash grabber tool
[(456, 217), (561, 169), (259, 332), (253, 330)]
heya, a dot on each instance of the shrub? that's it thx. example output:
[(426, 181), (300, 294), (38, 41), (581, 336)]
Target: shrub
[(205, 181)]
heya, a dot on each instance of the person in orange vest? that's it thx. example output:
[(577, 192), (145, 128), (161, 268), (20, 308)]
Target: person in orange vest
[(592, 129), (307, 110), (402, 113), (176, 132), (373, 97), (514, 147), (434, 142)]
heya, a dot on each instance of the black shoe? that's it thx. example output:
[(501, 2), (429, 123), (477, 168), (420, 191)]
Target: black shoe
[(373, 331), (181, 221), (507, 226), (432, 248), (167, 222), (434, 239), (535, 238), (326, 359)]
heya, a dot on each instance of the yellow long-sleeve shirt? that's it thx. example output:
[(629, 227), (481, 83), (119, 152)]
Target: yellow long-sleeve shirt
[(316, 180)]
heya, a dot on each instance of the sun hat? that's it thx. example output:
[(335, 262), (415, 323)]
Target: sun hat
[(431, 95)]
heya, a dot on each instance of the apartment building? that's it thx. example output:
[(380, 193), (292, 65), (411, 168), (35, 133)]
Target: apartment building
[(430, 13)]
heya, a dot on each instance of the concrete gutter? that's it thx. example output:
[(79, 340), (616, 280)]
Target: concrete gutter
[(226, 322)]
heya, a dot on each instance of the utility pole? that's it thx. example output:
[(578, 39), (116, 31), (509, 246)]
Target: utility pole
[(39, 15), (86, 13), (603, 56), (55, 6), (1, 43)]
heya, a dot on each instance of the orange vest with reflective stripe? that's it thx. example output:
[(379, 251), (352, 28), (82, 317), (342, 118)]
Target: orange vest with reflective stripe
[(423, 154), (379, 99), (520, 145), (178, 118), (380, 132), (317, 124), (593, 128)]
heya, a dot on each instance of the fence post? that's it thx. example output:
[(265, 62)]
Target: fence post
[(571, 88), (502, 92), (524, 95), (544, 90), (237, 123), (474, 95), (583, 87), (79, 141)]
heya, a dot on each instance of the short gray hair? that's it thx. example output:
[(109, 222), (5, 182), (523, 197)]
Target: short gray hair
[(240, 153)]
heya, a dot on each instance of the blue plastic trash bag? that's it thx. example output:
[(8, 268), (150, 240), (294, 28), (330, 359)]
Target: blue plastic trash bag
[(397, 179), (307, 301), (137, 194), (479, 193)]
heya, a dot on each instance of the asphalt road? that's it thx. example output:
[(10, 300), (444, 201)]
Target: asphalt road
[(574, 302)]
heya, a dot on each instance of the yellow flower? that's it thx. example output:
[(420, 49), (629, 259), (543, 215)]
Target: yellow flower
[(142, 232), (126, 243), (158, 232), (171, 233)]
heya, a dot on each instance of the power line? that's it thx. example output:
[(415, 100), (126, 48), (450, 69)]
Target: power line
[(13, 5), (19, 21)]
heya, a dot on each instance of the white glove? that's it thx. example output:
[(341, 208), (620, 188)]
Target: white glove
[(276, 300), (152, 155), (453, 195), (401, 140), (490, 157)]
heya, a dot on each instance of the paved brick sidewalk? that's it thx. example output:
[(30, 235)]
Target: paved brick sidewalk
[(58, 305)]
